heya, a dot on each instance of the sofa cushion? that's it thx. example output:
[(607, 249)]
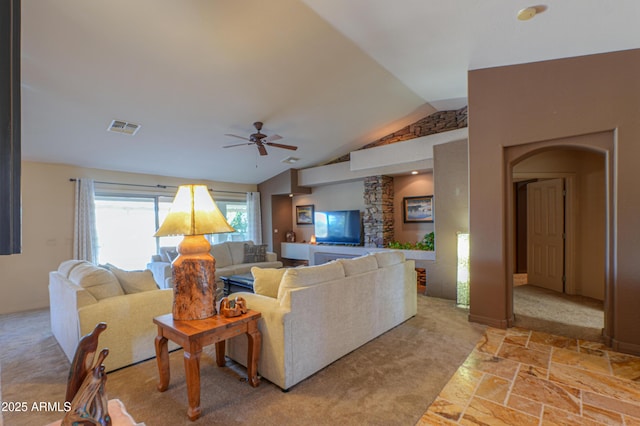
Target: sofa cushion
[(255, 253), (134, 281), (222, 255), (66, 266), (100, 282), (266, 281), (388, 258), (305, 276), (236, 248), (359, 265)]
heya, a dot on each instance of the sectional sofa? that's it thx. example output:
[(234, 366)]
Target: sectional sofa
[(232, 258), (314, 315), (82, 294)]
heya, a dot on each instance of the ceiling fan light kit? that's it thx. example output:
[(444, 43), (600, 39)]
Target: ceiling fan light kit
[(260, 140), (527, 13), (531, 11)]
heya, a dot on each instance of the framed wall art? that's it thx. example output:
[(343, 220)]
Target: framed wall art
[(304, 215), (418, 209)]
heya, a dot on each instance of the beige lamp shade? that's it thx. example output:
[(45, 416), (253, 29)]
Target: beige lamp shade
[(193, 212)]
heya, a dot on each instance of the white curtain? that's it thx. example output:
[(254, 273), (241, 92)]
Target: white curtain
[(85, 239), (254, 218)]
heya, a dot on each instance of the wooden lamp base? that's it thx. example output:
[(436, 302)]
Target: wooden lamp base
[(194, 285)]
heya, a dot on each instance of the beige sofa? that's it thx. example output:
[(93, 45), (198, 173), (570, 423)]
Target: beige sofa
[(82, 294), (230, 258), (317, 314)]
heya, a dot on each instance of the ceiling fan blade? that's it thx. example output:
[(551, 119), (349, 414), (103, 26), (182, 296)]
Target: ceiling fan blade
[(272, 138), (279, 145), (262, 149), (237, 144), (236, 136)]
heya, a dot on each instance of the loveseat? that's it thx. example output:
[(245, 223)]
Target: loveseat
[(232, 258), (314, 315), (82, 294)]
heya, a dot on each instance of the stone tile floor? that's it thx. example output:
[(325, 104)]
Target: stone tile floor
[(523, 377)]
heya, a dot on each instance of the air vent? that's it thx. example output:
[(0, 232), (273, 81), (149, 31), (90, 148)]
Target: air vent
[(125, 127)]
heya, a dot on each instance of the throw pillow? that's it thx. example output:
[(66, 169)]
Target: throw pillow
[(359, 265), (304, 276), (66, 266), (388, 258), (134, 281), (168, 253), (255, 253), (221, 254), (100, 282), (172, 254), (266, 281), (236, 248)]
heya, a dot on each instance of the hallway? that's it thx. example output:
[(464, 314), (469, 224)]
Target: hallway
[(536, 308)]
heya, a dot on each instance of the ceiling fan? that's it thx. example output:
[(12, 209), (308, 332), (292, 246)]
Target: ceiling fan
[(260, 140)]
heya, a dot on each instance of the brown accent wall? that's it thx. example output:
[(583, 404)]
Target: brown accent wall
[(281, 212), (410, 186), (274, 227), (542, 102)]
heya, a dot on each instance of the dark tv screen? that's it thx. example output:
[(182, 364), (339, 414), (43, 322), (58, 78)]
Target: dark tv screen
[(338, 227)]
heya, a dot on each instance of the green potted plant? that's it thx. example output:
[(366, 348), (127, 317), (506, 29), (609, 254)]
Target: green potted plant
[(427, 244)]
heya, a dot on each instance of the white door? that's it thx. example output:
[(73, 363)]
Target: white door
[(545, 234)]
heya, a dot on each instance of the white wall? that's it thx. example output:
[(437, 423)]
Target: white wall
[(341, 196), (47, 225)]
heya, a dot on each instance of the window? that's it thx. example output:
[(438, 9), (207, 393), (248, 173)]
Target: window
[(236, 214), (126, 224), (125, 228)]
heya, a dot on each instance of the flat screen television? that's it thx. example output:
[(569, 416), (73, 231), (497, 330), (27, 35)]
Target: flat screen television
[(338, 227)]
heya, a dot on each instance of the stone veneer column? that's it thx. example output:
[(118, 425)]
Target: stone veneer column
[(378, 214)]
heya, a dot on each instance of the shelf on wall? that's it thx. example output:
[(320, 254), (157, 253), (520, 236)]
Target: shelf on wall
[(303, 251)]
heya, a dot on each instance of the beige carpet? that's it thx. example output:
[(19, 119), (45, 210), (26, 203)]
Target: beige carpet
[(536, 308), (391, 380)]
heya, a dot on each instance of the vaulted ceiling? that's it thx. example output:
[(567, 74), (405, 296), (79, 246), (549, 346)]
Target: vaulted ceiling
[(327, 75)]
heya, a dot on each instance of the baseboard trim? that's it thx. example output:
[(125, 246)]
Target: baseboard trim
[(628, 348), (491, 322)]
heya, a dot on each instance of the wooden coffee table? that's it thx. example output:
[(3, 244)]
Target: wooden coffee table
[(193, 336)]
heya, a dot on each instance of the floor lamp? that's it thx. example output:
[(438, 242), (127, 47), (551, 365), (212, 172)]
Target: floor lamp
[(193, 214)]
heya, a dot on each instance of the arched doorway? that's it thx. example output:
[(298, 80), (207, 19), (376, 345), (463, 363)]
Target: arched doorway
[(582, 166)]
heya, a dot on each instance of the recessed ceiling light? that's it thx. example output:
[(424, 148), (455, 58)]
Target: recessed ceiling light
[(414, 172), (290, 160)]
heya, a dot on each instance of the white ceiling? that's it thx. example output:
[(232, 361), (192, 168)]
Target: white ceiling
[(327, 75)]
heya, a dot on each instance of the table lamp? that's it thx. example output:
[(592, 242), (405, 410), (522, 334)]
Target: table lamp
[(193, 214)]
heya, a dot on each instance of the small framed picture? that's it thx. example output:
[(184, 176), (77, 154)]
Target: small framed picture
[(418, 209), (304, 215)]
